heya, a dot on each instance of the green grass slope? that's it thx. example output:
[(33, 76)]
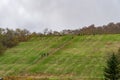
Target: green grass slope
[(78, 58)]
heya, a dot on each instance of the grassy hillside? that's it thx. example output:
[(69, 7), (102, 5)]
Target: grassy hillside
[(81, 57)]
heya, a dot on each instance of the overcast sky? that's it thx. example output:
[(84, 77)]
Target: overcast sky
[(36, 15)]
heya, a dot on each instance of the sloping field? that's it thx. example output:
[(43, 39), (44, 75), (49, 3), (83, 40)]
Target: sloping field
[(60, 57)]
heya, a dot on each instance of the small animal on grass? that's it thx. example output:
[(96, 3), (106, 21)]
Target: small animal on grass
[(44, 54)]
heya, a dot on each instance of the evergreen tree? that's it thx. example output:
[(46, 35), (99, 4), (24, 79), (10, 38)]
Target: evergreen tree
[(112, 71)]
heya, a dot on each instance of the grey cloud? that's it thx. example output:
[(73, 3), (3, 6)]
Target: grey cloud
[(36, 15)]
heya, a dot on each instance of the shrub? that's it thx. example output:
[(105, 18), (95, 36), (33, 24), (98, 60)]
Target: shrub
[(2, 49)]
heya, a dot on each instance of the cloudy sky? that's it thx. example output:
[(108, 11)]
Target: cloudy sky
[(36, 15)]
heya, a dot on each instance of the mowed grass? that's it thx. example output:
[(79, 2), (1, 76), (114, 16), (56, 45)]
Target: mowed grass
[(17, 59), (81, 58)]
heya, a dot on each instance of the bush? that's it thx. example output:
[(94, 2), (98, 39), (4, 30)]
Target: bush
[(10, 42), (2, 49)]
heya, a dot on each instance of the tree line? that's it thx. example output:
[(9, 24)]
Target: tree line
[(10, 38), (111, 28)]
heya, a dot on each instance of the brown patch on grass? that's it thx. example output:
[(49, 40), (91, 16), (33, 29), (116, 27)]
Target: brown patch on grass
[(42, 76), (108, 43)]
